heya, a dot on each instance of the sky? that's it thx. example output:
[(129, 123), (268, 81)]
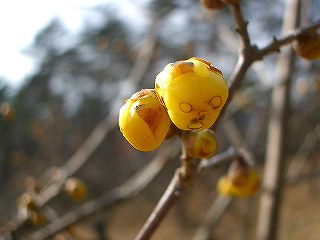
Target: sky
[(21, 20)]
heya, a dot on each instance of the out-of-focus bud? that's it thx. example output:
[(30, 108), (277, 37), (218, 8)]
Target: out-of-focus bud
[(231, 1), (37, 218), (27, 201), (240, 181), (201, 144), (75, 188), (212, 4), (307, 46), (7, 112)]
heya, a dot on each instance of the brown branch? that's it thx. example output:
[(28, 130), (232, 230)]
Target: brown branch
[(241, 25), (221, 158), (304, 150), (212, 217), (172, 193), (275, 45), (181, 181)]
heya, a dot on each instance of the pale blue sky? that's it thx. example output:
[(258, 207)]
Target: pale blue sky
[(21, 20)]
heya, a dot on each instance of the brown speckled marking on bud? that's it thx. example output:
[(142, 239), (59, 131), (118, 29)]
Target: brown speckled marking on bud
[(203, 153), (215, 102), (151, 118), (139, 95), (185, 107), (194, 126), (181, 67), (212, 68), (202, 114)]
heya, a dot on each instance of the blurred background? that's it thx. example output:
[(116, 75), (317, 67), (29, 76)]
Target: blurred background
[(81, 65)]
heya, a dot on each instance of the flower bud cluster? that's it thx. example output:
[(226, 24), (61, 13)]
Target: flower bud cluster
[(188, 94)]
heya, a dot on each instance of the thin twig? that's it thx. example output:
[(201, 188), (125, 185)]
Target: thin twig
[(241, 25), (172, 193), (301, 156), (221, 158), (275, 45), (212, 217)]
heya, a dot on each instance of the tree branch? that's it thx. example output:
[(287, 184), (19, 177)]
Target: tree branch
[(172, 193), (241, 25), (212, 217), (275, 45)]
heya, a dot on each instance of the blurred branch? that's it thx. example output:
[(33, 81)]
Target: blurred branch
[(172, 193), (212, 217), (302, 154), (221, 158), (275, 45), (276, 142), (126, 191)]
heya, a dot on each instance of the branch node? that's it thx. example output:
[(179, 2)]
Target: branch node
[(276, 41)]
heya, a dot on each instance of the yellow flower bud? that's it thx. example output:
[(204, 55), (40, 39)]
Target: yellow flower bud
[(143, 120), (231, 1), (75, 188), (193, 92), (201, 144), (27, 201), (37, 218), (7, 112), (307, 46), (212, 4), (240, 184)]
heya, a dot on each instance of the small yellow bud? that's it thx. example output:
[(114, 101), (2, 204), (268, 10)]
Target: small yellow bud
[(201, 144), (193, 92), (239, 184), (75, 188), (7, 112), (231, 1), (27, 201), (144, 121), (307, 46), (212, 4), (37, 218)]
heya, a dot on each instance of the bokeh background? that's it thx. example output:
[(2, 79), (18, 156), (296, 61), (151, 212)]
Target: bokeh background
[(80, 78)]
